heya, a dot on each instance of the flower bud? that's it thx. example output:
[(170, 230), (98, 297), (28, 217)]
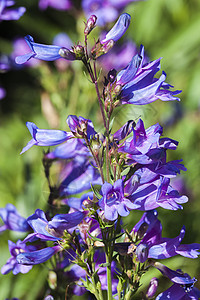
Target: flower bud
[(90, 24), (112, 75), (67, 54), (79, 51), (142, 252), (152, 288), (100, 49)]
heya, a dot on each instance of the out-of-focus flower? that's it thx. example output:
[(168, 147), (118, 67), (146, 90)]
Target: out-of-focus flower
[(7, 13), (2, 93), (12, 219), (62, 39), (45, 137), (113, 201), (105, 10), (59, 5), (12, 264), (119, 56), (79, 175)]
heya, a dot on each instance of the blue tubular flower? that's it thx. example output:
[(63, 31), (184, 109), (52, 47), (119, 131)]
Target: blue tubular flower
[(128, 73), (176, 276), (12, 219), (80, 174), (80, 126), (143, 88), (37, 257), (12, 264), (8, 14), (45, 137), (39, 51), (153, 245), (113, 201), (118, 30), (39, 223), (62, 222), (71, 149), (157, 193), (178, 292)]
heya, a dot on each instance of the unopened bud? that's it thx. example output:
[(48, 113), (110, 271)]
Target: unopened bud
[(67, 54), (152, 288), (90, 24), (79, 51), (100, 49), (117, 89), (112, 75)]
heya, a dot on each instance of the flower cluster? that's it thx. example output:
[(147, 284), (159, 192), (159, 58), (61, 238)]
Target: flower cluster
[(103, 176)]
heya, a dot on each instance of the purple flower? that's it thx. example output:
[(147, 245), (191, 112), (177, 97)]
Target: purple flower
[(177, 277), (178, 292), (79, 176), (119, 56), (45, 137), (12, 264), (52, 230), (118, 30), (2, 93), (144, 88), (113, 201), (12, 219), (153, 245), (39, 51), (71, 149), (152, 287), (37, 257), (80, 126), (7, 13), (157, 193), (20, 46), (106, 10), (59, 5)]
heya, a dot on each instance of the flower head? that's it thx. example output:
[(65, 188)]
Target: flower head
[(113, 201)]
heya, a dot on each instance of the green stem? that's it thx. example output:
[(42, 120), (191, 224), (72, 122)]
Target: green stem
[(109, 277)]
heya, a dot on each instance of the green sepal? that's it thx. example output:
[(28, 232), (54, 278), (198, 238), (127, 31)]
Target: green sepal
[(96, 192)]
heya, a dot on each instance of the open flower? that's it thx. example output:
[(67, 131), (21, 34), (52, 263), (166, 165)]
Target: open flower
[(113, 201)]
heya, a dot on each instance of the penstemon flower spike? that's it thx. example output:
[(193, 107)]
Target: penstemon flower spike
[(103, 176)]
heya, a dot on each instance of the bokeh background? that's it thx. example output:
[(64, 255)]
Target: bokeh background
[(47, 93)]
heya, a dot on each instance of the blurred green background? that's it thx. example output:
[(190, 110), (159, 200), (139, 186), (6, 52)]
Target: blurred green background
[(168, 29)]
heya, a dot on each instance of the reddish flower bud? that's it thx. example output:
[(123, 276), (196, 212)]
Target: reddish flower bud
[(90, 24)]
